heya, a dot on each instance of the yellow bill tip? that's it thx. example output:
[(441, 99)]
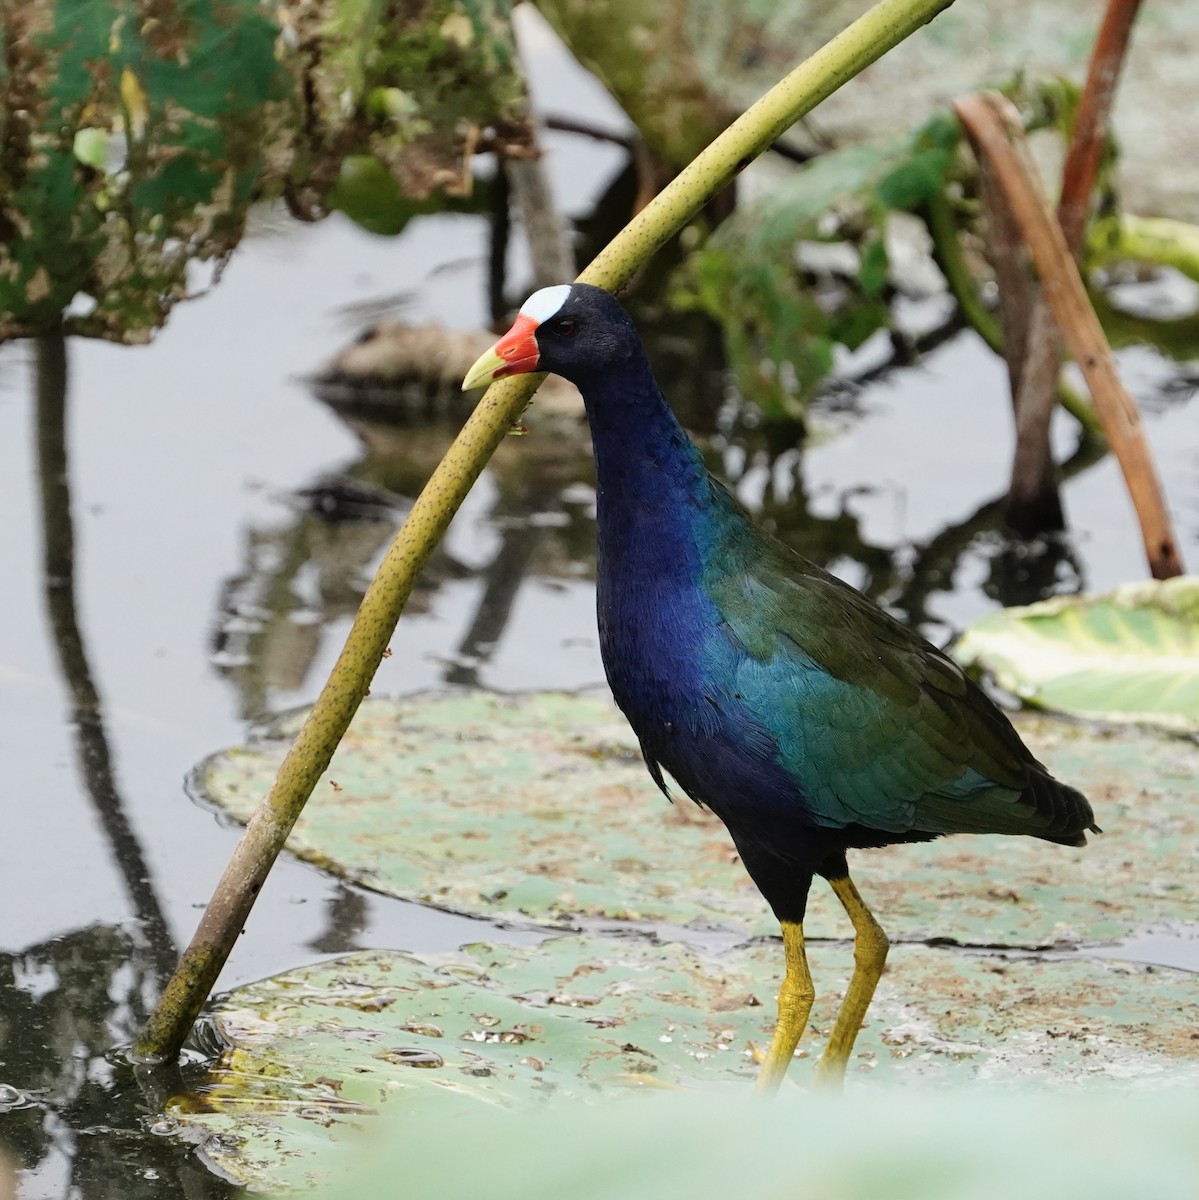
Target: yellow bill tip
[(484, 370)]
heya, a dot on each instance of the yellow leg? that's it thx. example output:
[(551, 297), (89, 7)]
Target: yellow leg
[(869, 955), (795, 1002)]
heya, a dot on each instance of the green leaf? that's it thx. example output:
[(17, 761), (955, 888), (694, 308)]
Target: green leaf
[(538, 807), (871, 1144), (855, 326), (921, 175), (91, 147), (413, 87), (872, 274), (781, 314), (1130, 655), (134, 148), (369, 195), (184, 106)]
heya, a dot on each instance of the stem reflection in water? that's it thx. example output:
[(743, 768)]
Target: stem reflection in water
[(72, 1111), (91, 741)]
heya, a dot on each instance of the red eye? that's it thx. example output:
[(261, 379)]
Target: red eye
[(565, 328)]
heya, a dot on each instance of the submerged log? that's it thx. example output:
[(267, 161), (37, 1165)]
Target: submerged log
[(398, 373)]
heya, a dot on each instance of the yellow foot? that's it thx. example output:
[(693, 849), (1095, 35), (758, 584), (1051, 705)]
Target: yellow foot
[(795, 1002)]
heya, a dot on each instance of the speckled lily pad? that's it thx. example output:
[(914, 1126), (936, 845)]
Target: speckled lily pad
[(538, 807), (326, 1045)]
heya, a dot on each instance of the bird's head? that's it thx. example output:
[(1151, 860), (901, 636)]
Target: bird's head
[(573, 330)]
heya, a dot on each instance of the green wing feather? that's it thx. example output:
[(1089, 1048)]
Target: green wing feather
[(879, 727)]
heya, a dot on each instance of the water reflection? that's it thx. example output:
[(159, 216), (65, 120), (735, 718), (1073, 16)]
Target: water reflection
[(309, 570), (347, 916), (70, 1109), (1018, 570), (87, 718), (300, 574)]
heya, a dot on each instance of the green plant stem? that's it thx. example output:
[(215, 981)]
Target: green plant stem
[(948, 249), (867, 39), (1158, 240), (872, 35), (1083, 411)]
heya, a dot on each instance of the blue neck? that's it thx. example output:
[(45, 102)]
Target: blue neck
[(651, 484)]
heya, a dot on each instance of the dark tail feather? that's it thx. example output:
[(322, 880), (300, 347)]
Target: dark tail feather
[(1067, 811)]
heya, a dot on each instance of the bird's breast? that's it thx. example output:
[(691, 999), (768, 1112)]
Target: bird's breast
[(672, 667)]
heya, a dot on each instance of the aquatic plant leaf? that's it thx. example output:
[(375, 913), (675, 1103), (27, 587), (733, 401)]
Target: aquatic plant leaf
[(414, 88), (1129, 655), (803, 268), (938, 1145), (492, 1027), (1156, 240), (694, 64), (132, 150), (872, 274), (537, 807)]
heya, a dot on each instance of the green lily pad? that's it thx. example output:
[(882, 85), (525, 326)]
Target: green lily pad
[(538, 807), (508, 806), (876, 1145), (316, 1049), (1129, 656), (491, 1025)]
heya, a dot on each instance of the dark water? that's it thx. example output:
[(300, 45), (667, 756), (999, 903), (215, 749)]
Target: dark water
[(177, 565)]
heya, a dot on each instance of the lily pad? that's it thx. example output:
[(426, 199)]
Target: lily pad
[(538, 807), (573, 1018), (492, 1025), (1131, 655), (937, 1145)]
